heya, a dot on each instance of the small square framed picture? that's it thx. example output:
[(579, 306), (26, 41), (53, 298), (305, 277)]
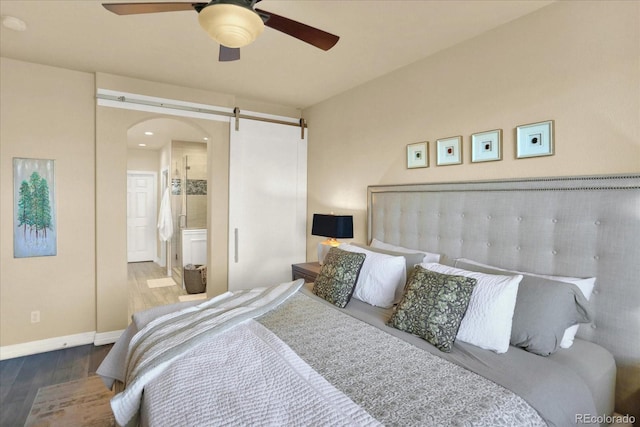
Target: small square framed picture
[(534, 140), (449, 151), (418, 155), (486, 146)]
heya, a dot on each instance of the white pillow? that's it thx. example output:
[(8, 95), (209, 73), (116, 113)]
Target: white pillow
[(428, 256), (381, 276), (487, 322), (585, 285)]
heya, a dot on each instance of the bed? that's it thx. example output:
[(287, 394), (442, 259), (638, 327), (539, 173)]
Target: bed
[(346, 366)]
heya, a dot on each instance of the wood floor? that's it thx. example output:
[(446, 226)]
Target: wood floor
[(21, 377), (141, 297)]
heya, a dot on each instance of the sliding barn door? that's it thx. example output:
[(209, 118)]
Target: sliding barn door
[(267, 203)]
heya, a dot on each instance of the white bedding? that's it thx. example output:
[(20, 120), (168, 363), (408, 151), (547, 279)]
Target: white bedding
[(252, 378), (166, 339)]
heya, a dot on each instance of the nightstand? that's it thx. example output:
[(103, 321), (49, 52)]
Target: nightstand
[(307, 271)]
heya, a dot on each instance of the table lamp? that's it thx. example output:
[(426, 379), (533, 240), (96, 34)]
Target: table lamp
[(331, 226)]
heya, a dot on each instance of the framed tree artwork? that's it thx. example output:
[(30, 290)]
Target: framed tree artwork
[(34, 209)]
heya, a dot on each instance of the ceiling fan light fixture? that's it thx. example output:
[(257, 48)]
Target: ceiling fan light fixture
[(231, 25)]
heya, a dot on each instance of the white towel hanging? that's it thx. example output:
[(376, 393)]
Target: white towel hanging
[(165, 220)]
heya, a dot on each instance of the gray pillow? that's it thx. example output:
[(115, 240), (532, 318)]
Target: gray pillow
[(433, 306), (338, 276), (411, 259), (544, 309)]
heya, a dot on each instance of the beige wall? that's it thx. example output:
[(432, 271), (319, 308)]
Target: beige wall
[(111, 219), (143, 160), (573, 62), (49, 115)]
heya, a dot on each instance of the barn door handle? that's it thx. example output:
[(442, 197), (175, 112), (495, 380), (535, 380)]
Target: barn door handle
[(235, 254)]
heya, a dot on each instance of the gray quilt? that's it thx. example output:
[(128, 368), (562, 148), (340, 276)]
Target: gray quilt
[(396, 382), (551, 386)]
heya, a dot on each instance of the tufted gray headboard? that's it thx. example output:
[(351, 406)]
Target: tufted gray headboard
[(570, 226)]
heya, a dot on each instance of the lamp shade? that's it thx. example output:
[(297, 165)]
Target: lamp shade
[(232, 25), (334, 226)]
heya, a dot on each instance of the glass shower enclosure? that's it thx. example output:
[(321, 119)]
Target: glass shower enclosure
[(188, 197)]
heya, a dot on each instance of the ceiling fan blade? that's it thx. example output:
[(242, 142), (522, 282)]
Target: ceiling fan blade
[(318, 38), (136, 8), (228, 54)]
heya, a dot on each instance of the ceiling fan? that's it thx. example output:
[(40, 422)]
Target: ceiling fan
[(233, 23)]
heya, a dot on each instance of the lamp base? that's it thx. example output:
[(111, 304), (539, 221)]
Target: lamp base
[(323, 249)]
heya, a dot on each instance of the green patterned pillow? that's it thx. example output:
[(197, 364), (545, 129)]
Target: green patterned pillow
[(433, 306), (338, 275)]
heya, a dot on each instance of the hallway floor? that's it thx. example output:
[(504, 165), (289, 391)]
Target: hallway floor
[(141, 297)]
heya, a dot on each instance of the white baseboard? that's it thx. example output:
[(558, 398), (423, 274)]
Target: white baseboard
[(49, 344), (110, 337)]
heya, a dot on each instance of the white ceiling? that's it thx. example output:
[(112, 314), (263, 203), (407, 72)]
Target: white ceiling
[(376, 37)]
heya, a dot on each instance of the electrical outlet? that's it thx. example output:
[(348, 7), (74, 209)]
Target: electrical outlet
[(35, 316)]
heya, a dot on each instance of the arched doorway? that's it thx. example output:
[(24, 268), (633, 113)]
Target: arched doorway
[(111, 153), (175, 151)]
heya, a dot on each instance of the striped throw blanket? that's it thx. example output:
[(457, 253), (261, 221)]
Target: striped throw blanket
[(166, 338)]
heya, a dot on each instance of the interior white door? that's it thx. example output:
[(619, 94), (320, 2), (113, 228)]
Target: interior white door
[(141, 216), (267, 203)]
